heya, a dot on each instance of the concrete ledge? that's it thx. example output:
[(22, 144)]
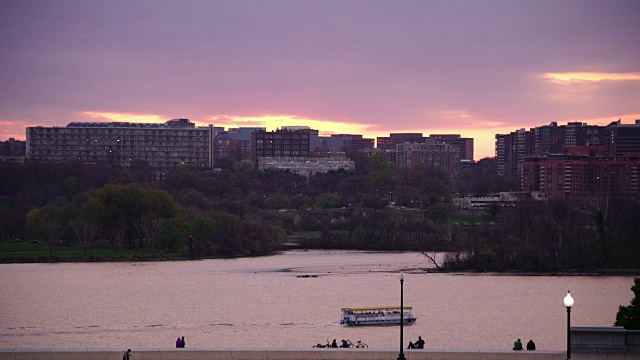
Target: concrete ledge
[(301, 354), (278, 354)]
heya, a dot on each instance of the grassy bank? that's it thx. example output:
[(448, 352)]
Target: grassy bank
[(16, 252)]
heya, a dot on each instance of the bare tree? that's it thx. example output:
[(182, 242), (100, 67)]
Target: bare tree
[(147, 227), (86, 232)]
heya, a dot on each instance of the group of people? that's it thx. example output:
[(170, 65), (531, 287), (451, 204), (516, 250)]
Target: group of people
[(180, 342), (518, 345), (343, 343), (419, 344)]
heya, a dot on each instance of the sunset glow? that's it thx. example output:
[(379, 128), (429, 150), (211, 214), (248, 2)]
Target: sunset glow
[(273, 122), (124, 117), (567, 78)]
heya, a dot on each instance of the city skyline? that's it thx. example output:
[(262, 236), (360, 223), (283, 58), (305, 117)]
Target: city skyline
[(359, 67)]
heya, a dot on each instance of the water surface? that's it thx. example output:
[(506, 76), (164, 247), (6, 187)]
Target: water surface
[(263, 302)]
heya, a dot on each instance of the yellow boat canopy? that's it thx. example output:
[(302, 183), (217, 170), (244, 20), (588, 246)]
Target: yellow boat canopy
[(376, 308)]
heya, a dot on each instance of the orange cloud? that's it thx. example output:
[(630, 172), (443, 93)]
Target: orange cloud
[(583, 77), (13, 129)]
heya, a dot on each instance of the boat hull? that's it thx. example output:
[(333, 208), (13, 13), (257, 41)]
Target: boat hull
[(378, 323)]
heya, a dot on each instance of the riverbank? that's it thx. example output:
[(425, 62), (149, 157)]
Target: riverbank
[(177, 257)]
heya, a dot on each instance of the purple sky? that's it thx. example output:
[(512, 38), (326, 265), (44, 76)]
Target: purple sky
[(476, 68)]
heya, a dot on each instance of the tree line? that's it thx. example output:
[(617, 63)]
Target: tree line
[(239, 211)]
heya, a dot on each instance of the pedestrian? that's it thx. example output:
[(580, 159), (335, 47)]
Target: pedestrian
[(182, 342), (517, 345), (531, 345), (126, 354)]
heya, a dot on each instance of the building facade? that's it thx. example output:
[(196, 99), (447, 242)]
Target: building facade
[(581, 172), (623, 139), (161, 147), (306, 166), (442, 156), (13, 147), (465, 145), (340, 143), (512, 148), (282, 143), (390, 142)]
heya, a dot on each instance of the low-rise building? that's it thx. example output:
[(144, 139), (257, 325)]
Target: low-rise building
[(306, 166), (501, 199)]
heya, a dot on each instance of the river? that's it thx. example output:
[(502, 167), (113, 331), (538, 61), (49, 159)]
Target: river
[(266, 302)]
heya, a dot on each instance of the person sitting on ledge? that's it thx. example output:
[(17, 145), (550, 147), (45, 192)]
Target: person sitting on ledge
[(345, 343), (411, 345), (420, 343), (531, 345), (334, 344), (517, 345)]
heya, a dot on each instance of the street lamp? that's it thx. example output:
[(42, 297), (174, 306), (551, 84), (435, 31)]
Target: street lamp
[(401, 356), (568, 303)]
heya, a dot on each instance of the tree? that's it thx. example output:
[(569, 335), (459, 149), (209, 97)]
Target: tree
[(43, 224), (629, 316)]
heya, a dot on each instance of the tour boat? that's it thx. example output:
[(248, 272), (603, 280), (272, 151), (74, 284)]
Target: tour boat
[(387, 315)]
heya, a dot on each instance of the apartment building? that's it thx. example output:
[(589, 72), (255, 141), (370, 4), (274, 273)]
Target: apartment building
[(443, 156), (341, 143), (581, 172), (175, 143), (390, 142), (283, 143), (465, 145), (512, 148)]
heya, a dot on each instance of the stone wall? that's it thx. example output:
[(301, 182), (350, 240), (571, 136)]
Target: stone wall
[(612, 339)]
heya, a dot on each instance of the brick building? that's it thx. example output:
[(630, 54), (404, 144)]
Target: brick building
[(581, 172)]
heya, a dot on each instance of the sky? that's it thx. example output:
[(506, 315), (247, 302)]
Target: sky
[(475, 68)]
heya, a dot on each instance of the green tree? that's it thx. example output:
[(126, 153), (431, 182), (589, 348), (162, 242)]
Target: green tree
[(629, 316), (43, 224)]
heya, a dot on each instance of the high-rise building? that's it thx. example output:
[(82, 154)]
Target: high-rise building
[(465, 145), (442, 156), (624, 139), (161, 147), (581, 172), (236, 144), (390, 142), (340, 143), (286, 142), (512, 148)]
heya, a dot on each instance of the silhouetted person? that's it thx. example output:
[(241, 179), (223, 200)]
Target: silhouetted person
[(178, 342), (182, 342), (334, 344), (345, 343), (531, 345), (126, 354), (420, 343), (517, 345)]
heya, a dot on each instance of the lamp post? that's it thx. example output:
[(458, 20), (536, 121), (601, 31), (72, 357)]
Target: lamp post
[(568, 303), (401, 355)]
